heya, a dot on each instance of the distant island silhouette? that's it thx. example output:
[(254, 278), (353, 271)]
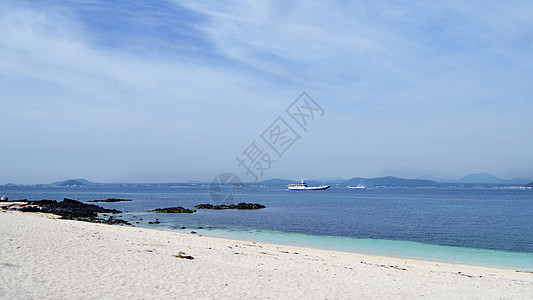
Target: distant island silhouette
[(469, 180)]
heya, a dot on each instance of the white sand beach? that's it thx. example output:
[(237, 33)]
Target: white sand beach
[(43, 257)]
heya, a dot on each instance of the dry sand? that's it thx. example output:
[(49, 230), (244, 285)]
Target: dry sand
[(42, 257)]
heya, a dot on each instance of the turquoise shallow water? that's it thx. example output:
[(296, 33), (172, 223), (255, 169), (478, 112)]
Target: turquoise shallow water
[(403, 249), (481, 227)]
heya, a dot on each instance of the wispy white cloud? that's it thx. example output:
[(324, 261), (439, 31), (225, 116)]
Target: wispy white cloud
[(398, 81), (63, 93)]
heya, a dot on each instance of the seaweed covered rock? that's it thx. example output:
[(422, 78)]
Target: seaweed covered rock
[(173, 210), (110, 220), (248, 206)]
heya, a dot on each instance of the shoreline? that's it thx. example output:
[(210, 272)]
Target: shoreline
[(370, 253), (448, 254), (45, 257)]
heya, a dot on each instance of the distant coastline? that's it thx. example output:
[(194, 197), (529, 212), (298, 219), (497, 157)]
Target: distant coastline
[(478, 180)]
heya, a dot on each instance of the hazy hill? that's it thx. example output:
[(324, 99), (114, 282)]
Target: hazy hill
[(487, 178), (71, 182), (428, 177), (390, 181), (482, 177), (331, 180), (277, 181), (530, 184)]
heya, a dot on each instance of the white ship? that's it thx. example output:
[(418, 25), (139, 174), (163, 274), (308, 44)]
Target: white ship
[(4, 198), (302, 186), (358, 187)]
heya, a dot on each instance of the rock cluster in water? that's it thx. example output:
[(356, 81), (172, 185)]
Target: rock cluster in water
[(67, 209), (173, 210), (110, 220), (231, 206), (110, 200), (181, 210), (73, 210)]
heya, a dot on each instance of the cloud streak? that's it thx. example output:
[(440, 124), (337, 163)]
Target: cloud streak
[(178, 88)]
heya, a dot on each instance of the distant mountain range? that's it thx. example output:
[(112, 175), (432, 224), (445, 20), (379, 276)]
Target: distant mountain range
[(482, 178)]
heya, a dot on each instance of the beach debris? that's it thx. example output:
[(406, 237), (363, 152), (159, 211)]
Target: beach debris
[(193, 232), (466, 275), (9, 265), (248, 206), (182, 255), (385, 266)]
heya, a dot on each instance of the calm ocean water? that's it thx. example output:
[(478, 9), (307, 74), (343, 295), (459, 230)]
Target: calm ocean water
[(492, 227)]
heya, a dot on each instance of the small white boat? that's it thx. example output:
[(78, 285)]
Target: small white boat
[(358, 187), (302, 186), (4, 198)]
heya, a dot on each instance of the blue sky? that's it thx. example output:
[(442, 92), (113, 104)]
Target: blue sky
[(152, 91)]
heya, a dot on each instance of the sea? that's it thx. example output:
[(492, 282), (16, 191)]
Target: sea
[(485, 227)]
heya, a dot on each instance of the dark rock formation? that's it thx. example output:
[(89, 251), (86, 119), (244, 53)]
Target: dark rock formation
[(231, 206), (110, 221), (73, 210), (173, 210), (111, 200), (67, 209)]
